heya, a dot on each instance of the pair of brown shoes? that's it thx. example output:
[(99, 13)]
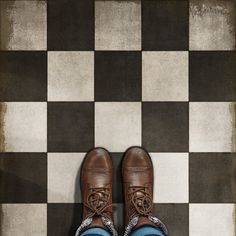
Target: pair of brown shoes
[(96, 188)]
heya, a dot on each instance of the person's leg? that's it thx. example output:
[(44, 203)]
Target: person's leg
[(96, 231), (147, 231), (137, 172), (96, 188)]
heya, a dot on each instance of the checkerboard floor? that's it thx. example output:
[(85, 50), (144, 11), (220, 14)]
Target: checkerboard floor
[(75, 74)]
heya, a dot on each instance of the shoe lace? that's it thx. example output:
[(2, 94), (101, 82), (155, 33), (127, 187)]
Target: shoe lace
[(97, 202), (141, 201)]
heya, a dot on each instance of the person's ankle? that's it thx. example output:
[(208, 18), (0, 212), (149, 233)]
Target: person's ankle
[(97, 222), (144, 221)]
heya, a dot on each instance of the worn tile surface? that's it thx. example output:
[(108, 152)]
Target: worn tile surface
[(210, 127), (170, 177), (23, 25), (75, 74), (212, 25), (165, 76), (63, 177), (211, 219), (70, 76), (117, 25), (24, 219), (117, 125), (25, 127)]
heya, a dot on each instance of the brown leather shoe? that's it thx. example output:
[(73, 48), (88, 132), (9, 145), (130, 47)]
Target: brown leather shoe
[(96, 189), (137, 172)]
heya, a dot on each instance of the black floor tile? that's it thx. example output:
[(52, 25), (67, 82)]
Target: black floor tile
[(212, 178), (117, 180), (165, 25), (23, 177), (212, 76), (118, 76), (63, 218), (175, 217), (165, 126), (70, 126), (70, 25), (23, 76)]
